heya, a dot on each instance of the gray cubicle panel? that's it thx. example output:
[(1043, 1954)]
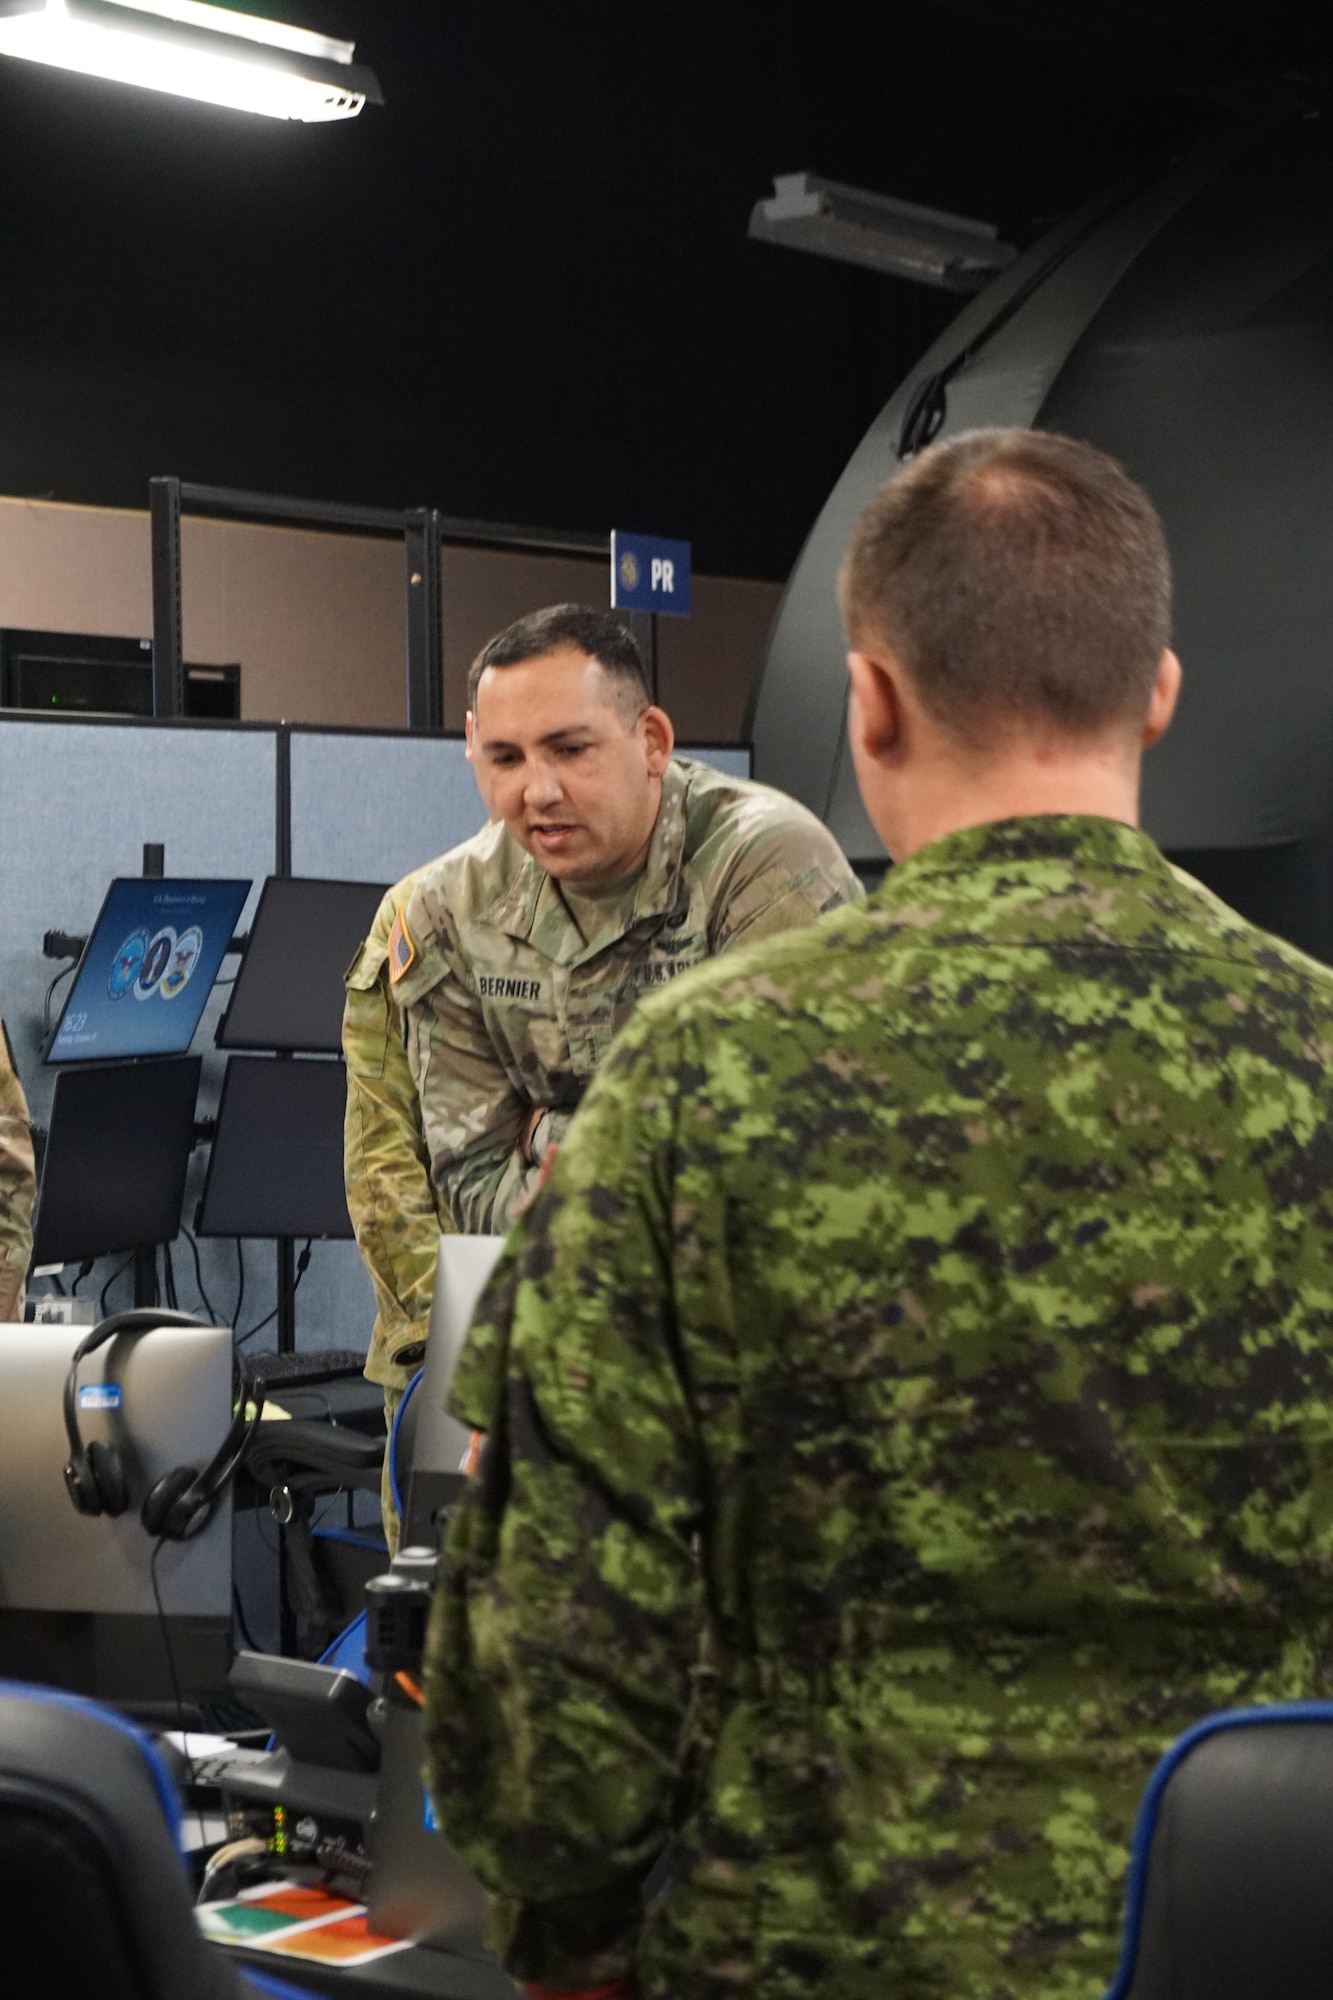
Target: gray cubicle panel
[(370, 805), (78, 801)]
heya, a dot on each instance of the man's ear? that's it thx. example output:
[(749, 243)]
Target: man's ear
[(471, 738), (1165, 694), (875, 715), (659, 739)]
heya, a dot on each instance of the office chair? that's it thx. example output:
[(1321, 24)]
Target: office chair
[(1230, 1887), (93, 1897), (299, 1464)]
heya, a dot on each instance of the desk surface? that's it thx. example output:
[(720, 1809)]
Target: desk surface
[(416, 1974)]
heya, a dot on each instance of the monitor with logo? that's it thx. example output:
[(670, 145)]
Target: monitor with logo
[(147, 969)]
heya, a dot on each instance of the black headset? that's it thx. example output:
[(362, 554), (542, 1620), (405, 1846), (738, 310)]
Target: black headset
[(183, 1501)]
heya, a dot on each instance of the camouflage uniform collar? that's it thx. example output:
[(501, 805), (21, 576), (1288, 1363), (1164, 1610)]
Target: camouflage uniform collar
[(531, 900), (1083, 843), (655, 892)]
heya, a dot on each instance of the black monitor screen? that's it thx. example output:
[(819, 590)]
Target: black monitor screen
[(116, 1152), (289, 990), (277, 1163), (147, 969)]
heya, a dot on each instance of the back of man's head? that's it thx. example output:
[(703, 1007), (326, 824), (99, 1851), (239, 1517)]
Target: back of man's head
[(560, 628), (1022, 581)]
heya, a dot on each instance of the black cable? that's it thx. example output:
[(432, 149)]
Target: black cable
[(302, 1266), (199, 1276), (85, 1270), (158, 1547), (240, 1282), (50, 995), (242, 1621), (101, 1303)]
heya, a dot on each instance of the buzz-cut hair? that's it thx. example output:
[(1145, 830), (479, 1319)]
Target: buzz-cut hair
[(1022, 581), (599, 634)]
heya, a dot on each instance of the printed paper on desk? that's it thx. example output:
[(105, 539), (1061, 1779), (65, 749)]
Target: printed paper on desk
[(272, 1910), (347, 1942)]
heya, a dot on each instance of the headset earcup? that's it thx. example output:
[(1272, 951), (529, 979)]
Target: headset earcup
[(81, 1487), (108, 1476), (161, 1513)]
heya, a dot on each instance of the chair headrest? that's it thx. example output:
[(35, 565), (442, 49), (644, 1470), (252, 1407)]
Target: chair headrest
[(91, 1767)]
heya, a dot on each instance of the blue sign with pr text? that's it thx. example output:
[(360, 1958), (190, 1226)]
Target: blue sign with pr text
[(649, 573)]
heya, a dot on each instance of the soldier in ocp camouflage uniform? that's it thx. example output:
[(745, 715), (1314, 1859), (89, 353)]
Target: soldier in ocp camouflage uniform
[(18, 1184), (609, 869), (910, 1401), (390, 1195)]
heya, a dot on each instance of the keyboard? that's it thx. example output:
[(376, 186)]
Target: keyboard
[(304, 1370)]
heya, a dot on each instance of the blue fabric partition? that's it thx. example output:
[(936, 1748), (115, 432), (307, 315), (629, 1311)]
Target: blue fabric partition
[(78, 800), (368, 806)]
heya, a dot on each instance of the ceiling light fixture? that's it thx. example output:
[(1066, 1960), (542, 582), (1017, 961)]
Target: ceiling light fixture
[(189, 49)]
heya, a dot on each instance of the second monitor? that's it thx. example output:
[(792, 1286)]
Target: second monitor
[(277, 1162), (289, 991)]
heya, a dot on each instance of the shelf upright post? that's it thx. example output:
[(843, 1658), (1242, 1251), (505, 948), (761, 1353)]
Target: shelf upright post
[(643, 630), (164, 507), (425, 648)]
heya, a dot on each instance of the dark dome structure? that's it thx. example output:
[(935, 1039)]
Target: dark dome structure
[(1185, 325)]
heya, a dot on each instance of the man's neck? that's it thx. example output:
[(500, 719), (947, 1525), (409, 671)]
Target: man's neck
[(1018, 788)]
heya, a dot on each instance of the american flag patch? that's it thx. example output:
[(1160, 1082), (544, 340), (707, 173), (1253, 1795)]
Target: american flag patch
[(402, 951)]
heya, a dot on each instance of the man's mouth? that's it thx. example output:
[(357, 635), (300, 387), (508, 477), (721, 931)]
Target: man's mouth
[(553, 834)]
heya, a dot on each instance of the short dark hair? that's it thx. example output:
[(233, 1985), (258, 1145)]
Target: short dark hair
[(600, 634), (1021, 578)]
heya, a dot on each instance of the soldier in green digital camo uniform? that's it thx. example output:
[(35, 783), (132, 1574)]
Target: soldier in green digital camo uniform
[(18, 1185), (390, 1195), (910, 1401), (609, 868)]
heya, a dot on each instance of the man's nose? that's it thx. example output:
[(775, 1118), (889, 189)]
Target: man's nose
[(543, 787)]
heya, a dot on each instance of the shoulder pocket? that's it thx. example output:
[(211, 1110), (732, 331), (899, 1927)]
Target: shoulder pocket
[(429, 969)]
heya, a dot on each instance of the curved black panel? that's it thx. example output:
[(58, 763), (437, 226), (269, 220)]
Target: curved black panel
[(1209, 372), (1186, 329)]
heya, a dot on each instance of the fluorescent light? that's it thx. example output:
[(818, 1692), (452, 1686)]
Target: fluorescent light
[(247, 27), (190, 49), (805, 212)]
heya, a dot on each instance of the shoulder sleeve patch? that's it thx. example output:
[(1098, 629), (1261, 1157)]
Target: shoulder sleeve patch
[(402, 951)]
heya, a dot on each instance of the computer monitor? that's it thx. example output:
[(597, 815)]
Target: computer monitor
[(77, 1604), (419, 1887), (438, 1441), (118, 1144), (289, 991), (277, 1162), (147, 969)]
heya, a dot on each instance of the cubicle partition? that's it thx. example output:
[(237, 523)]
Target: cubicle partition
[(78, 801)]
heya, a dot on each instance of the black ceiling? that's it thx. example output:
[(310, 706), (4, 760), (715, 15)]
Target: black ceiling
[(523, 290)]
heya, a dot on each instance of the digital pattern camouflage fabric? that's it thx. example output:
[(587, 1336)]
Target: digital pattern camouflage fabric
[(510, 1007), (17, 1186), (390, 1195), (910, 1406)]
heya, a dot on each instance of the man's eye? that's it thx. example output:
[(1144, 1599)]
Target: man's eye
[(574, 749)]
